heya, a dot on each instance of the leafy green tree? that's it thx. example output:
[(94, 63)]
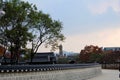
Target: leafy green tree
[(63, 60), (96, 57), (46, 30), (14, 26), (23, 23)]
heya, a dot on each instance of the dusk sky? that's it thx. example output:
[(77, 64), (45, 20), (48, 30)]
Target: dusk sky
[(85, 22)]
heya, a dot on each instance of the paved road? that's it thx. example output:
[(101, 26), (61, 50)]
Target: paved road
[(107, 75)]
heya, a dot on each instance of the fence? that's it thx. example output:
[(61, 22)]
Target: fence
[(49, 72)]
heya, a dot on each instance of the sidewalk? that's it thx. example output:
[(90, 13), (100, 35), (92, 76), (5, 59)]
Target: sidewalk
[(107, 75)]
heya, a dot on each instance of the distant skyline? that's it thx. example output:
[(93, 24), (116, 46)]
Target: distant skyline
[(85, 22)]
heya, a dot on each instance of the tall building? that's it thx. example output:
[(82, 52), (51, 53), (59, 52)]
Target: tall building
[(60, 50)]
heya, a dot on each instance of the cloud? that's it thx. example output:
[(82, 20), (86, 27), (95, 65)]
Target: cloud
[(103, 38), (102, 6)]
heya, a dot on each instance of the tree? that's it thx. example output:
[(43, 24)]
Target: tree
[(23, 23), (91, 54), (63, 60), (96, 57), (111, 56), (46, 31), (14, 26)]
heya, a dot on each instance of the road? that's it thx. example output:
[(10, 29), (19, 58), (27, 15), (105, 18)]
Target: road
[(107, 75)]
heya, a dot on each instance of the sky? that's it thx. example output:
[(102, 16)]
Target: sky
[(85, 22)]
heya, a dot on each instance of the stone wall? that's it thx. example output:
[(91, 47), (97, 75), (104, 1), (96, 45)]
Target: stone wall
[(111, 66), (69, 74)]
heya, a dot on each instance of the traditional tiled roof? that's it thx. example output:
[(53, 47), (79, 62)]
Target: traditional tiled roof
[(44, 57)]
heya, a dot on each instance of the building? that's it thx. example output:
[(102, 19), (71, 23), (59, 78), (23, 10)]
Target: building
[(111, 48), (44, 58), (61, 51)]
